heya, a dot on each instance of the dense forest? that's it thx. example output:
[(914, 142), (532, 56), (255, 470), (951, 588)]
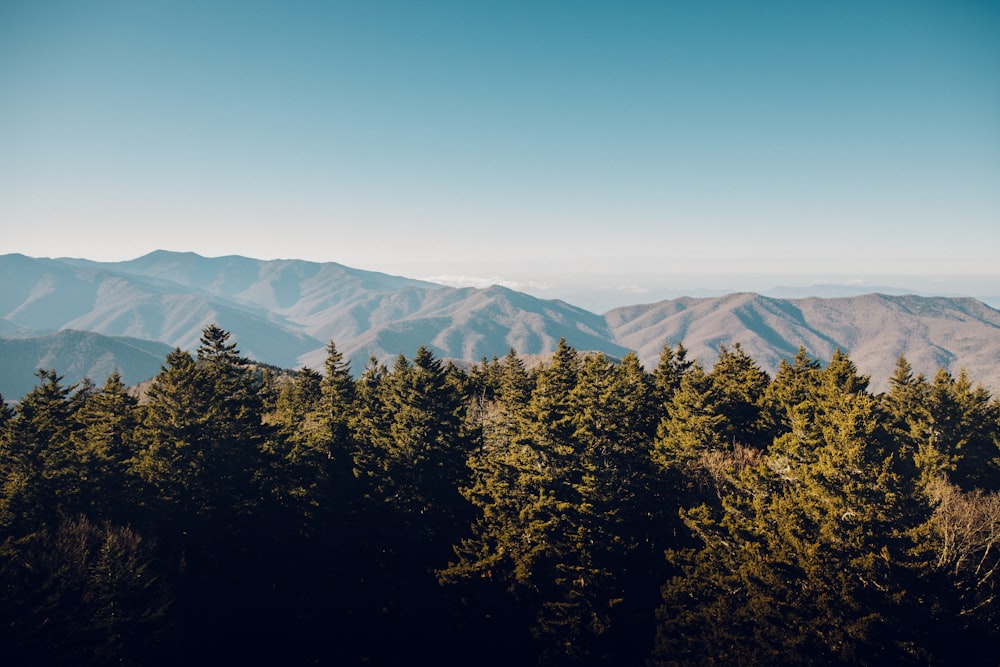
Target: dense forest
[(584, 512)]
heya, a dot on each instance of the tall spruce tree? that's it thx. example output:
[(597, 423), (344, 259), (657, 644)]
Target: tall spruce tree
[(105, 445), (38, 476), (741, 385), (201, 442)]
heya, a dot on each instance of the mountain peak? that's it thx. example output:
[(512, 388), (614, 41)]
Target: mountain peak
[(285, 312)]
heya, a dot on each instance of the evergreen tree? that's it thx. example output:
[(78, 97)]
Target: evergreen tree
[(104, 444), (793, 388), (527, 484), (669, 372), (6, 413), (694, 423), (416, 463), (299, 449), (741, 385), (36, 459), (200, 446), (807, 560), (976, 444), (617, 553)]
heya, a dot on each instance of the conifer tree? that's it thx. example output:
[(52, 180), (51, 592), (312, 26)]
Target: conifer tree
[(794, 385), (415, 462), (36, 458), (741, 385), (298, 448), (976, 443), (529, 485), (202, 438), (667, 375), (618, 553), (105, 445), (693, 424), (6, 413), (807, 559)]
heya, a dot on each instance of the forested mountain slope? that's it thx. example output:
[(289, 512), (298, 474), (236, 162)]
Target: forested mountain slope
[(288, 310)]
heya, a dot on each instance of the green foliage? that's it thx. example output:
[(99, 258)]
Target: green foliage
[(104, 444), (37, 472), (501, 515), (694, 424), (413, 450), (818, 536), (740, 385)]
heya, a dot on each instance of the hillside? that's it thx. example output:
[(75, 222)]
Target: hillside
[(284, 312), (932, 332), (76, 355)]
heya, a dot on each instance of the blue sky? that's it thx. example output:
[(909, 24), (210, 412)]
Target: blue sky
[(561, 147)]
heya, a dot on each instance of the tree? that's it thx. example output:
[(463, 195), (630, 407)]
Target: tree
[(741, 385), (547, 527), (417, 464), (200, 446), (104, 445), (36, 459), (669, 372), (617, 549), (808, 558), (299, 448), (693, 424), (6, 413), (966, 538)]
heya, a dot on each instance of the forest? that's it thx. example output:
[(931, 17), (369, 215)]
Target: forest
[(586, 511)]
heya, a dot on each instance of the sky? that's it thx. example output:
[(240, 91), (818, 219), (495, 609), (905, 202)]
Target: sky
[(601, 152)]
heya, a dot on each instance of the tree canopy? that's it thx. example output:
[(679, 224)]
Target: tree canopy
[(584, 511)]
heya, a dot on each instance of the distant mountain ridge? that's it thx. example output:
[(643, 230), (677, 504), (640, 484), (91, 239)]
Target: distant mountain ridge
[(284, 312), (76, 355)]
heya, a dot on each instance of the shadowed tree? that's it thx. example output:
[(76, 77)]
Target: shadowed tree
[(37, 475), (105, 445), (84, 593)]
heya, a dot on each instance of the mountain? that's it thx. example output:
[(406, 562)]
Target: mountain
[(75, 355), (284, 312), (932, 332)]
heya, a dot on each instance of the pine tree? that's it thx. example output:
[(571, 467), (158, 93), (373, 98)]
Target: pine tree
[(298, 449), (201, 440), (36, 459), (741, 385), (6, 413), (530, 485), (977, 446), (105, 444), (617, 554), (694, 424), (807, 559), (416, 463)]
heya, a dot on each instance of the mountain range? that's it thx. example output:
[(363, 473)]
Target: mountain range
[(85, 318)]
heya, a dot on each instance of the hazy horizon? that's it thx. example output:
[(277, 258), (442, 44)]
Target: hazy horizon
[(586, 285)]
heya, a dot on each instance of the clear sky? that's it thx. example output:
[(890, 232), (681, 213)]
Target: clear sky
[(615, 145)]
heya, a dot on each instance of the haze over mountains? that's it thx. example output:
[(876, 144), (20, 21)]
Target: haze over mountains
[(284, 312)]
